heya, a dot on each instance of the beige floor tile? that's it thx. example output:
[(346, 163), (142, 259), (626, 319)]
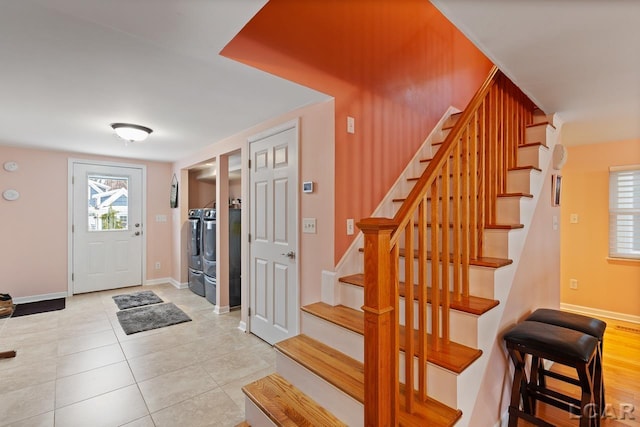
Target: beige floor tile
[(75, 388), (208, 409), (34, 336), (89, 359), (234, 366), (29, 354), (165, 390), (158, 363), (42, 420), (26, 402), (86, 342), (82, 328), (144, 345), (143, 422), (234, 388), (29, 374), (111, 409)]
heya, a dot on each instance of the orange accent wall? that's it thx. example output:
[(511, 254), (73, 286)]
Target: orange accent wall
[(602, 284), (395, 66)]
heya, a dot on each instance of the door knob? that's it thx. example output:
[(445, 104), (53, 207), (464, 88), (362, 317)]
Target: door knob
[(137, 224), (137, 233), (290, 254)]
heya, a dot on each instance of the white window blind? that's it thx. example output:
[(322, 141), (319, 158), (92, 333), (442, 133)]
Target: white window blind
[(624, 212)]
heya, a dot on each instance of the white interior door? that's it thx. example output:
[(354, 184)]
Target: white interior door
[(274, 234), (107, 227)]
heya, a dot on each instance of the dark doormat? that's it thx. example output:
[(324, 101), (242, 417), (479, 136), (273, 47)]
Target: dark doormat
[(39, 307), (136, 300), (151, 317)]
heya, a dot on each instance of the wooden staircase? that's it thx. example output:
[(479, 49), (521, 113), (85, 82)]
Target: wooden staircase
[(351, 364)]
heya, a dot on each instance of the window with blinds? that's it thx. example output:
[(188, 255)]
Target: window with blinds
[(624, 212)]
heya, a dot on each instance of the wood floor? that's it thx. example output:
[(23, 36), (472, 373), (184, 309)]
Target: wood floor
[(621, 378)]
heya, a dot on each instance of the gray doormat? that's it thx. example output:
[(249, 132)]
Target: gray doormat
[(136, 300), (151, 317)]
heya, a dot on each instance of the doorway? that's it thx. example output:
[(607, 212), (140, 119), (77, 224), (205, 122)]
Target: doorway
[(274, 293), (107, 233)]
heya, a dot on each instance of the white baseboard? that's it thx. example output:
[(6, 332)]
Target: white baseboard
[(596, 312), (42, 297), (242, 326), (160, 281), (220, 309), (177, 284)]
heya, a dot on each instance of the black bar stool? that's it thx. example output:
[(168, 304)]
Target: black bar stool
[(561, 345), (577, 322)]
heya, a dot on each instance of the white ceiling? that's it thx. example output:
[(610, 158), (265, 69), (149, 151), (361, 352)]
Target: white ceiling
[(71, 67), (578, 58)]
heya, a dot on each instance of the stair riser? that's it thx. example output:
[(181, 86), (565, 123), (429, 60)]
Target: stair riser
[(540, 117), (341, 405), (519, 181), (531, 156), (463, 326), (536, 133), (330, 336), (489, 240), (254, 416), (496, 243), (337, 337), (508, 210)]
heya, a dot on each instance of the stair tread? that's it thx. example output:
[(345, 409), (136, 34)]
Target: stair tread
[(347, 374), (533, 144), (449, 355), (527, 195), (479, 262), (521, 168), (286, 405), (469, 304), (333, 366), (243, 424), (487, 226)]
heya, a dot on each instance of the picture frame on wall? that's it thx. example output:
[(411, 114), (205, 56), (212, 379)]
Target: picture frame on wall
[(173, 198), (556, 189)]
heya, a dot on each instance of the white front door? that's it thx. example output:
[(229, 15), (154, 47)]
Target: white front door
[(274, 233), (107, 227)]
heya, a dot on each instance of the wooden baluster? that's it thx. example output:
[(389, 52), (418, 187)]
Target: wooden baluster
[(457, 257), (408, 316), (422, 297), (380, 320), (444, 232), (481, 184), (465, 252), (473, 187), (435, 262)]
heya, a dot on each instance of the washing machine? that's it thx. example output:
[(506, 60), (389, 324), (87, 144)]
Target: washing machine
[(194, 252)]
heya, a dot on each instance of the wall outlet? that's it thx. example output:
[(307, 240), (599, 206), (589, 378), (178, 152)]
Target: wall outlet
[(573, 284), (350, 226), (157, 265)]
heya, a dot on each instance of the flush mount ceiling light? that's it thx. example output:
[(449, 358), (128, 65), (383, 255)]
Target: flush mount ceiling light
[(130, 132)]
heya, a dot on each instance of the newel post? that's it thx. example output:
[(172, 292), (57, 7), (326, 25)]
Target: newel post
[(380, 356)]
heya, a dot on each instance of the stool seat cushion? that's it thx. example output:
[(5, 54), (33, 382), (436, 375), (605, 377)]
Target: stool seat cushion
[(552, 340), (588, 325)]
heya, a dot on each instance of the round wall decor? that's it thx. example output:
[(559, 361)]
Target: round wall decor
[(10, 195)]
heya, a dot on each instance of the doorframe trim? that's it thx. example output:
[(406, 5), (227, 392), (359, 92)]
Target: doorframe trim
[(71, 161), (289, 124)]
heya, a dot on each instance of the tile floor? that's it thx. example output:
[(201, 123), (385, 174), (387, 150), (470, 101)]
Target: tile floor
[(76, 367)]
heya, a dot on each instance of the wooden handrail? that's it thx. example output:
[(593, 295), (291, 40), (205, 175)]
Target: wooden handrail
[(460, 186)]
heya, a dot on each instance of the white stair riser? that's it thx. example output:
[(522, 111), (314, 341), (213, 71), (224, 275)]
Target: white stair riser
[(330, 337), (530, 156), (342, 339), (341, 405), (254, 416), (463, 326), (496, 243), (508, 210), (536, 133), (519, 181)]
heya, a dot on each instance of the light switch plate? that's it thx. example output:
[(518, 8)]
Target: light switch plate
[(309, 225)]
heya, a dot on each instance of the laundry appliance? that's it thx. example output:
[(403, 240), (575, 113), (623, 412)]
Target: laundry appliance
[(194, 251)]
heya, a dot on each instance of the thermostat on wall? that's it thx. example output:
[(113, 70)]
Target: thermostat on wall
[(307, 187)]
